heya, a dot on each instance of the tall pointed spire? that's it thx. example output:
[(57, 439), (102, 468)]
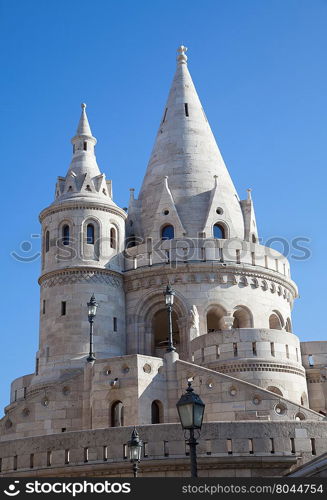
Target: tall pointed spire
[(84, 179), (83, 124), (185, 150)]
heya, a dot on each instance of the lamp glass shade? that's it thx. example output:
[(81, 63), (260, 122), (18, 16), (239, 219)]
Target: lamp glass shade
[(92, 310), (198, 411), (169, 299), (135, 450), (186, 415)]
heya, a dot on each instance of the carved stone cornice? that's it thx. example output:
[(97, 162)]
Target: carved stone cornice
[(81, 275), (80, 205), (211, 272)]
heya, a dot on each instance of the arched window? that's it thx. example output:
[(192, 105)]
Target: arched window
[(215, 318), (90, 234), (155, 412), (275, 322), (219, 232), (113, 238), (275, 390), (117, 414), (167, 233), (242, 318), (65, 235), (47, 241)]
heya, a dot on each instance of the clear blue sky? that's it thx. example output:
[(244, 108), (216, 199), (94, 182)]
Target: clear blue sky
[(260, 69)]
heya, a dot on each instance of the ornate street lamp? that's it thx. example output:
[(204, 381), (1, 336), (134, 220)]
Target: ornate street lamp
[(92, 310), (169, 296), (191, 410), (135, 448)]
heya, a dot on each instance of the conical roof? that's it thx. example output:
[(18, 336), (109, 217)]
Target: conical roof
[(185, 150)]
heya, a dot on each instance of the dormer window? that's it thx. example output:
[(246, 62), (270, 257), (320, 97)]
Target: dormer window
[(85, 146), (219, 232), (65, 235), (167, 232)]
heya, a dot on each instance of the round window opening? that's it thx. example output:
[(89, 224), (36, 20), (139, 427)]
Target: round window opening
[(280, 409), (219, 211), (256, 400), (233, 391), (107, 371), (166, 212), (147, 368)]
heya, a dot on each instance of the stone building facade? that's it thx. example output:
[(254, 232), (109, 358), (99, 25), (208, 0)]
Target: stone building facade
[(264, 391)]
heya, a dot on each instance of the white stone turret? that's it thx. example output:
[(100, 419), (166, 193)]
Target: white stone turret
[(83, 233), (186, 152)]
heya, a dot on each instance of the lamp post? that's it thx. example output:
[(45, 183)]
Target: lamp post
[(135, 447), (190, 410), (169, 296), (92, 310)]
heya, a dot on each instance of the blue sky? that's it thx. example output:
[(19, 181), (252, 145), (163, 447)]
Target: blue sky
[(260, 70)]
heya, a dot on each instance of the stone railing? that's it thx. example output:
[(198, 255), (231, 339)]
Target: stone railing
[(259, 441)]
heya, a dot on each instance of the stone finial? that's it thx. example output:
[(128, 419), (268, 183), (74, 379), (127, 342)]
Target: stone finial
[(83, 105), (249, 190), (182, 57)]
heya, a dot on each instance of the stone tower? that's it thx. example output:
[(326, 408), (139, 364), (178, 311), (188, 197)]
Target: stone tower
[(234, 296), (232, 324), (83, 235)]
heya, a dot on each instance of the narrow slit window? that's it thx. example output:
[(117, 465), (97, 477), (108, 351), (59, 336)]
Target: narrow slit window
[(90, 234), (235, 349), (63, 308), (15, 462), (208, 446), (164, 116), (287, 351), (85, 146), (292, 445), (37, 366), (272, 348), (186, 109), (49, 458), (311, 360), (67, 456), (217, 352), (113, 238), (115, 324), (125, 451), (229, 446), (254, 348), (202, 354), (250, 441), (31, 460), (105, 453), (43, 307), (86, 455), (272, 445), (145, 449), (47, 241), (166, 448), (266, 261), (65, 235), (238, 257), (313, 446), (297, 354), (187, 448)]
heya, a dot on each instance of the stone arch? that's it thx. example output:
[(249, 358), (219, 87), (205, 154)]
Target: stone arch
[(276, 321), (117, 414), (149, 305), (215, 317), (275, 390), (224, 229), (243, 317), (157, 412)]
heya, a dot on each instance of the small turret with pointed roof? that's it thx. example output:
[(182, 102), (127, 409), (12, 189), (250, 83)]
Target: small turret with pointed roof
[(185, 150), (84, 178)]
